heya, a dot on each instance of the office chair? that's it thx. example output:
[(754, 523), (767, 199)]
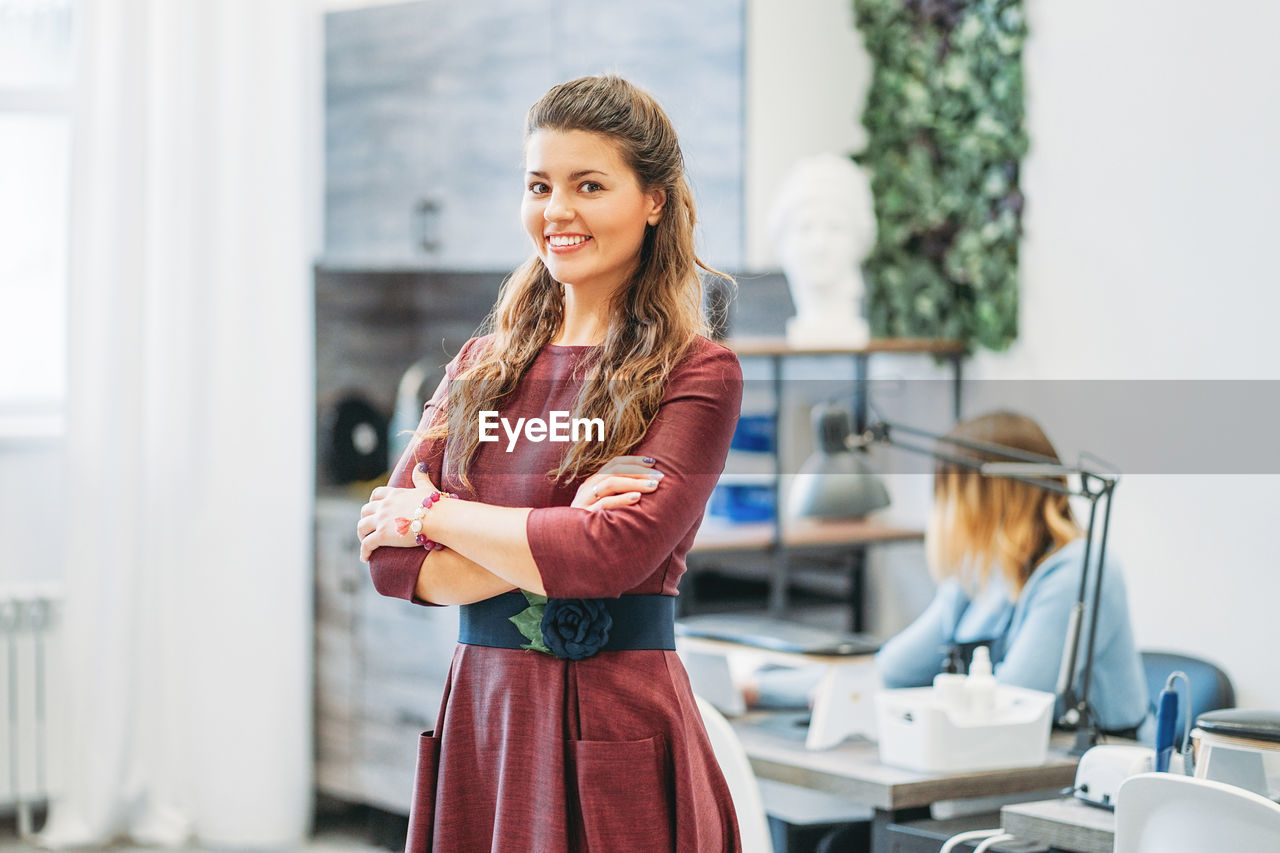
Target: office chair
[(753, 826), (1211, 689), (1167, 813)]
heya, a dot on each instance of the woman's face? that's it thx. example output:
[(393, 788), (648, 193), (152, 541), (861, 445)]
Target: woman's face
[(584, 208)]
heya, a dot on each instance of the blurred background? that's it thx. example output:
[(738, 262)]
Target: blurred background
[(239, 240)]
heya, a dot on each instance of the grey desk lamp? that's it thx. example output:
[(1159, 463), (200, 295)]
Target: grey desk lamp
[(837, 481)]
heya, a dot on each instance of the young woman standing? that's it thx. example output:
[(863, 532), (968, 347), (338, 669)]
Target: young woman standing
[(569, 724)]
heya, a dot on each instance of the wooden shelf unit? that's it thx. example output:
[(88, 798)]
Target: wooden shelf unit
[(768, 345), (716, 536), (782, 539)]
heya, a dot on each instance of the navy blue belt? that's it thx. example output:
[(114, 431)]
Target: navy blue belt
[(572, 628)]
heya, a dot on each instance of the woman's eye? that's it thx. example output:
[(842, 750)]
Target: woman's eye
[(591, 187), (538, 188)]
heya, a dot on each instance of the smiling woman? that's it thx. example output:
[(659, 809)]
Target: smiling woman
[(568, 721)]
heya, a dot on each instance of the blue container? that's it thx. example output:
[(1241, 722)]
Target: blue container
[(742, 503), (754, 434)]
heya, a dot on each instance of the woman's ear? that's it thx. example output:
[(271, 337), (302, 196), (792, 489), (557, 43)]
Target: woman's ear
[(658, 200)]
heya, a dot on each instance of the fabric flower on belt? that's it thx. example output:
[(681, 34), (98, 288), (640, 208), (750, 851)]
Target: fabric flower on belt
[(575, 628)]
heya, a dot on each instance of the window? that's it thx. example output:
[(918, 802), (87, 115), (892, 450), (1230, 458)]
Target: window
[(35, 147)]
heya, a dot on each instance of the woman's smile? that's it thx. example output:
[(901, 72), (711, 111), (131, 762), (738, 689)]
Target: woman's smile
[(563, 244)]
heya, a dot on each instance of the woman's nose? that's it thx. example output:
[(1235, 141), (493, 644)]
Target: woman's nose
[(557, 209)]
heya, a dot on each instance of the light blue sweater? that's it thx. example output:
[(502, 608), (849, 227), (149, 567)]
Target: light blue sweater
[(1028, 652)]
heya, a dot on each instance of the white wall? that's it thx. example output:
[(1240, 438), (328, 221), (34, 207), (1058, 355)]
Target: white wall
[(1153, 191), (1153, 188), (807, 76)]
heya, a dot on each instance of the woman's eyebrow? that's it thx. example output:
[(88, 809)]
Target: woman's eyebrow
[(581, 173)]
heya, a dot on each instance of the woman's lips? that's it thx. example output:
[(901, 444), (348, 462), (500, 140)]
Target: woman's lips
[(563, 244)]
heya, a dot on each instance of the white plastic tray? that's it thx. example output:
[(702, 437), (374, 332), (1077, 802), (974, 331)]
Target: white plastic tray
[(918, 733)]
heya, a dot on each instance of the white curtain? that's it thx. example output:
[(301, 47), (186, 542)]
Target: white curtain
[(188, 515)]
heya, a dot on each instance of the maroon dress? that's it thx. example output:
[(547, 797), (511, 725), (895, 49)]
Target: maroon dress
[(540, 754)]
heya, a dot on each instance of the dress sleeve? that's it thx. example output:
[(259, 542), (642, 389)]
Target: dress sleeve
[(914, 656), (395, 570), (582, 554)]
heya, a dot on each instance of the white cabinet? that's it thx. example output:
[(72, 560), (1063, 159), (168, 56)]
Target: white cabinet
[(425, 105), (381, 666), (377, 127), (424, 108)]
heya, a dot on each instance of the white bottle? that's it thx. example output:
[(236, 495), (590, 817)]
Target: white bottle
[(980, 686), (949, 692)]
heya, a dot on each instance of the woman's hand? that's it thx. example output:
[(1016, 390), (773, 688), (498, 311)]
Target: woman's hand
[(384, 518), (621, 482)]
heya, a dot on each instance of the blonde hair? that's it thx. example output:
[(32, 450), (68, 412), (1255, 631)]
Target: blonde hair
[(654, 317), (983, 522)]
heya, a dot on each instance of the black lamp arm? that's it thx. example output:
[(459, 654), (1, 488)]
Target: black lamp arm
[(1023, 466), (1086, 732), (883, 431)]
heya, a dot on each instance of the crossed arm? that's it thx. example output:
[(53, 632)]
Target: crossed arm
[(487, 549)]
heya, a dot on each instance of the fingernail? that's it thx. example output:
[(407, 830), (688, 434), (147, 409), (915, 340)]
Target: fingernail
[(653, 484), (635, 496), (648, 460), (422, 466), (659, 474)]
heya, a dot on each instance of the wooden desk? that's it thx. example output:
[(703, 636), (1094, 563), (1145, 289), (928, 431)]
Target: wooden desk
[(853, 770), (763, 654), (1064, 824)]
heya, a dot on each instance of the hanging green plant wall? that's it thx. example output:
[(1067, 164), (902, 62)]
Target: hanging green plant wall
[(944, 116)]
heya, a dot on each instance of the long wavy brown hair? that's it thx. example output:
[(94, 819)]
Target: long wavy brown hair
[(654, 317), (981, 522)]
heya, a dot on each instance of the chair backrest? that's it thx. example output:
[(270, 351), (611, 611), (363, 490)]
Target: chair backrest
[(753, 825), (1211, 689), (1168, 813)]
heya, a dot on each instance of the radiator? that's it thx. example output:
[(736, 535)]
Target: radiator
[(28, 620)]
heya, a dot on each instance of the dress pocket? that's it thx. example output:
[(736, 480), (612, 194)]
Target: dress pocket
[(625, 795), (422, 809)]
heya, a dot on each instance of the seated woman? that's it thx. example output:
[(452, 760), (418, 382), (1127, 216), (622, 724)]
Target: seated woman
[(1007, 556)]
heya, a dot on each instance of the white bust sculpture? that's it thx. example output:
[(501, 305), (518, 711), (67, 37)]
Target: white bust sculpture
[(823, 225)]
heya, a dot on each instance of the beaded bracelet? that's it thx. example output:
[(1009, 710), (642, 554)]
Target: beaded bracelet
[(414, 525)]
